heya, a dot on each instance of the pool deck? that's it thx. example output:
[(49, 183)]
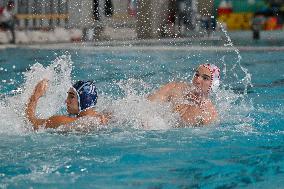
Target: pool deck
[(270, 41), (90, 46)]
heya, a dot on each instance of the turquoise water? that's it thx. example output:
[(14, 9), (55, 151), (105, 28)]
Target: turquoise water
[(244, 150)]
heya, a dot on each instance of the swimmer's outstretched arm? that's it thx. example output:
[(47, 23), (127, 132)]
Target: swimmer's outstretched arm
[(163, 94)]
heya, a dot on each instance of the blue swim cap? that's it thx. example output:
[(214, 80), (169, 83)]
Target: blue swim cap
[(87, 94)]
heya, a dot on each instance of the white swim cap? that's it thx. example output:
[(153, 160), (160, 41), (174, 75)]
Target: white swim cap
[(215, 76)]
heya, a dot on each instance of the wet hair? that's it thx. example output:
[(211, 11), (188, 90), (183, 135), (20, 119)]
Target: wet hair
[(86, 93)]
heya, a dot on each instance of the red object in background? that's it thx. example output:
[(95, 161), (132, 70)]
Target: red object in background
[(271, 23), (279, 27), (1, 10), (224, 10), (225, 7)]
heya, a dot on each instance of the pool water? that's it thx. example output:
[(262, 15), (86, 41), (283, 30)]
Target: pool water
[(244, 149)]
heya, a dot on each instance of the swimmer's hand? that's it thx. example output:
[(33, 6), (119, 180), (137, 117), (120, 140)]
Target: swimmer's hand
[(39, 91), (41, 88)]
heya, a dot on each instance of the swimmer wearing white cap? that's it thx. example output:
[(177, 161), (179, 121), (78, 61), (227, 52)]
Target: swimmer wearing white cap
[(191, 100)]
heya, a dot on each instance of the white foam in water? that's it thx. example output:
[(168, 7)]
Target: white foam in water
[(13, 107), (136, 110)]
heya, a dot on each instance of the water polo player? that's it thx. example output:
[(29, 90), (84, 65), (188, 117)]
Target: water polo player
[(80, 102), (191, 100)]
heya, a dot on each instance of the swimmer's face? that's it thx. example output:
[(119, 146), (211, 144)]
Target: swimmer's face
[(72, 102), (202, 79)]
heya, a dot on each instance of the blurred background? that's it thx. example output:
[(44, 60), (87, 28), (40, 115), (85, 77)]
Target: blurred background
[(37, 21)]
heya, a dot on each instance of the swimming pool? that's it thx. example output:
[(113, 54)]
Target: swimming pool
[(244, 150)]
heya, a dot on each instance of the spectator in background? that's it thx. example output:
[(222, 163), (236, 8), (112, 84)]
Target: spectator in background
[(184, 16), (257, 24), (7, 19), (180, 15), (108, 8)]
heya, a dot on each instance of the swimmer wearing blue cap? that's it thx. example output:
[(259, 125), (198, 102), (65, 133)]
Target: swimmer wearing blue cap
[(191, 100), (80, 102)]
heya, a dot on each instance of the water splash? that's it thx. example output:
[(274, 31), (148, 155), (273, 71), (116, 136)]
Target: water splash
[(59, 75), (232, 107), (246, 81), (135, 110)]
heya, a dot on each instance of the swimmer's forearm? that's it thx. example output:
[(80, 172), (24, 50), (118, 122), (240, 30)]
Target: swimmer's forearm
[(58, 120), (30, 112)]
